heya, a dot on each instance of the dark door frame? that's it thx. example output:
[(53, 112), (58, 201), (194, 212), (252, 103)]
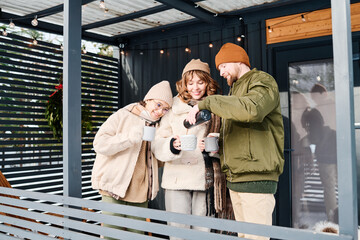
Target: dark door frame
[(278, 58)]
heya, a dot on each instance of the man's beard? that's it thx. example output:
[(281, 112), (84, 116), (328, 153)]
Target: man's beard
[(230, 80)]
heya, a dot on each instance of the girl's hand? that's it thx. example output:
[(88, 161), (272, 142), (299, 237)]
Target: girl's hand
[(177, 143), (201, 145)]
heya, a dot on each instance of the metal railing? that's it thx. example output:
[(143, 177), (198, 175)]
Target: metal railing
[(44, 216)]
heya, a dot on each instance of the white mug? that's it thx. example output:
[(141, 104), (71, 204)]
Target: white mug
[(188, 142), (211, 144), (149, 133)]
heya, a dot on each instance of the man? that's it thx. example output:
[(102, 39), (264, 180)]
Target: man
[(251, 136)]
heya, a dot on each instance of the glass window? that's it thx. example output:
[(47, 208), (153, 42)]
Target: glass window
[(313, 140)]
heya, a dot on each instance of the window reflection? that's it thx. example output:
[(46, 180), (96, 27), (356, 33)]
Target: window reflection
[(313, 138)]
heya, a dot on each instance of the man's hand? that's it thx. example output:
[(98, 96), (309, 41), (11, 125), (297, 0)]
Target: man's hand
[(191, 117)]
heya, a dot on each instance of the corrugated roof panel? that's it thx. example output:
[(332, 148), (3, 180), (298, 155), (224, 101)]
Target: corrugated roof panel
[(153, 20), (120, 28), (24, 7), (168, 17), (92, 12), (223, 6)]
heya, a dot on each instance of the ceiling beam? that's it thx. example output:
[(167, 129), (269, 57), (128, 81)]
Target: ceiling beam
[(190, 8), (52, 10), (52, 28), (126, 17)]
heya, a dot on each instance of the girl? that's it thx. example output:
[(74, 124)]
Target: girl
[(125, 171), (184, 175)]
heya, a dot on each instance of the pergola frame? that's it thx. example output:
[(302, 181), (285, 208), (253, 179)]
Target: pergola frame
[(343, 69)]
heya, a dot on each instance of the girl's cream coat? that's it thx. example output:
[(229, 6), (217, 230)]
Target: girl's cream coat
[(184, 171), (117, 146)]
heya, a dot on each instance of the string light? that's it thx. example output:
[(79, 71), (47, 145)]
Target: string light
[(269, 29), (187, 49), (4, 33), (102, 4), (211, 45), (11, 24), (303, 18), (62, 46), (122, 52), (34, 22), (162, 51), (238, 39), (35, 42)]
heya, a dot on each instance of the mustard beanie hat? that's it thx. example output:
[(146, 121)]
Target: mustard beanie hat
[(160, 91), (196, 64), (230, 52)]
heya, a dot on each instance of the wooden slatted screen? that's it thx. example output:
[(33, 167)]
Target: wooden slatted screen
[(30, 157)]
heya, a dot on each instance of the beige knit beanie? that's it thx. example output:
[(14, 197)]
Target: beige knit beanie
[(160, 91), (196, 64), (230, 52)]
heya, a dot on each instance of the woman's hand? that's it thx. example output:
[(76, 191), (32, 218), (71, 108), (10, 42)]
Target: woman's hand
[(177, 143), (201, 145)]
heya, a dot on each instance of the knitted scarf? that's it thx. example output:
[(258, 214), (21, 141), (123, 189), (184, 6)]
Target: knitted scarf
[(215, 180)]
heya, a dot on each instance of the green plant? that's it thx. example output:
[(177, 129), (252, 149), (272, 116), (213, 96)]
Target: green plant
[(54, 113)]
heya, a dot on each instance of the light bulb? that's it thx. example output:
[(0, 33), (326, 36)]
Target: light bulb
[(269, 29), (211, 45), (35, 42), (303, 18), (4, 33), (187, 50), (162, 51), (102, 4), (34, 22), (11, 24), (122, 52), (238, 39)]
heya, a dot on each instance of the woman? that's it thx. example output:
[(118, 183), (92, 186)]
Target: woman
[(125, 171), (184, 171)]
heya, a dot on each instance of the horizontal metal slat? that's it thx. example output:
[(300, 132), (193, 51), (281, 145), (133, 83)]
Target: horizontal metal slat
[(27, 71), (30, 59), (108, 104), (30, 52), (97, 76), (103, 66), (21, 109), (29, 142), (102, 60), (98, 70), (26, 90), (29, 168), (24, 96), (109, 84), (100, 88), (29, 45), (30, 65), (22, 38), (31, 80)]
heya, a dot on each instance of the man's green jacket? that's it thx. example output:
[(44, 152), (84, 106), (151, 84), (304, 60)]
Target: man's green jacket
[(252, 134)]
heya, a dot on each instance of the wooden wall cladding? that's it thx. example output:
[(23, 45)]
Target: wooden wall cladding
[(306, 25)]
